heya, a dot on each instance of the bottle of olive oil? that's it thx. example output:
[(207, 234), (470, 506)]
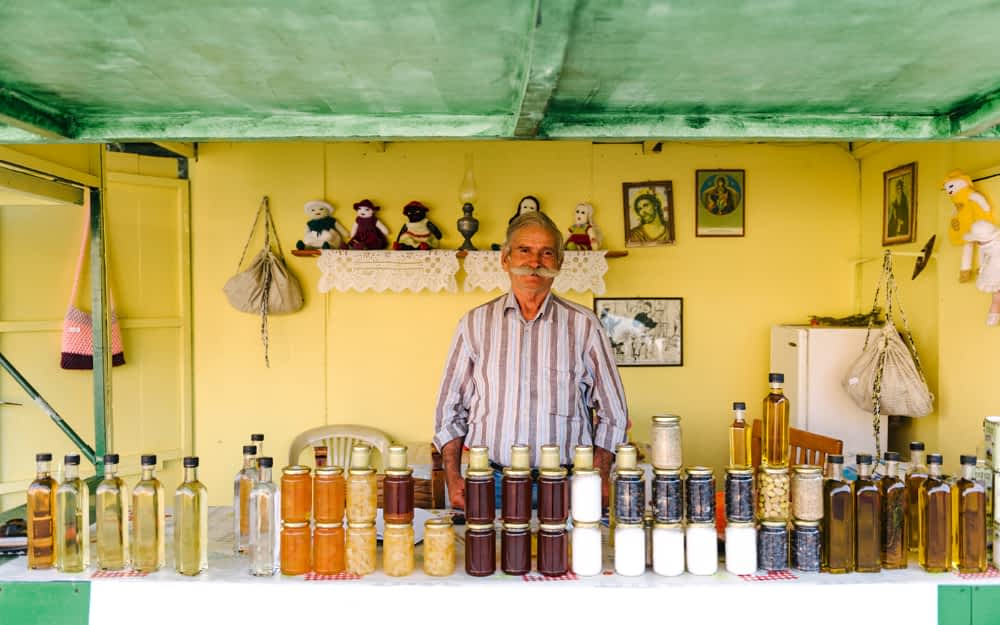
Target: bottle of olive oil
[(838, 516), (915, 476), (774, 443), (739, 437), (934, 553), (72, 519), (191, 522), (112, 518), (969, 517), (867, 519), (245, 480), (264, 524), (41, 512), (893, 490), (148, 520)]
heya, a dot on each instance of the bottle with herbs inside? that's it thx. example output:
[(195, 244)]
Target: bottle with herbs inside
[(243, 483), (893, 491), (915, 475), (774, 441), (41, 515), (935, 552), (867, 519), (969, 508), (838, 515), (739, 437)]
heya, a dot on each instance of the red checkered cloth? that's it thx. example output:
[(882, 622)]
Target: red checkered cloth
[(313, 576), (769, 577), (568, 577), (990, 572), (113, 574)]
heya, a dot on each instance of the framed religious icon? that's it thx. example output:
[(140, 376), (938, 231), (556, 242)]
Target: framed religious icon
[(899, 205), (720, 201), (643, 331), (649, 213)]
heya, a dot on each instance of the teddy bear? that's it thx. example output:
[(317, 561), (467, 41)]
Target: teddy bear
[(368, 233), (970, 206), (583, 234), (418, 233), (322, 230)]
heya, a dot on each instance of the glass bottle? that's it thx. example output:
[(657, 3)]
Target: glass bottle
[(630, 490), (148, 519), (296, 494), (774, 438), (329, 493), (515, 548), (296, 549), (934, 553), (257, 440), (553, 488), (668, 497), (553, 549), (112, 518), (867, 519), (397, 549), (969, 518), (668, 549), (700, 495), (587, 557), (739, 437), (741, 548), (397, 488), (191, 522), (838, 514), (585, 486), (807, 492), (772, 546), (439, 547), (480, 548), (72, 519), (328, 548), (915, 476), (245, 479), (480, 489), (265, 534), (666, 442), (515, 487), (41, 515), (701, 545), (893, 490), (806, 545)]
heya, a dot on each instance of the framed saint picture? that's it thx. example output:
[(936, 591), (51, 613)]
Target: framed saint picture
[(643, 331), (649, 213), (899, 205), (720, 201)]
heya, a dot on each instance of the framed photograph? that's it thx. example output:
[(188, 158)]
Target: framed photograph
[(899, 205), (720, 198), (649, 213), (644, 331)]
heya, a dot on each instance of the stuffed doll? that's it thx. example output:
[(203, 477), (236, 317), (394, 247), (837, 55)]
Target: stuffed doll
[(987, 235), (524, 205), (970, 206), (418, 233), (583, 234), (322, 230), (368, 232)]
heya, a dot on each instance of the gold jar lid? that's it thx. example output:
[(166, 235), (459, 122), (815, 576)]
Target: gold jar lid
[(360, 526), (586, 524), (774, 524), (328, 526), (520, 461), (774, 470), (619, 524), (807, 469), (630, 472), (583, 458), (293, 526), (801, 523), (657, 525), (436, 523), (296, 469), (666, 419), (738, 470), (627, 456), (667, 472), (479, 462), (398, 526), (552, 527), (706, 524), (361, 457), (699, 471), (329, 471), (397, 458), (517, 527), (480, 526), (549, 466), (740, 524)]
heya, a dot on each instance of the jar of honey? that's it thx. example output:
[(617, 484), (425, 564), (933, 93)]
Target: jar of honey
[(397, 488), (296, 549), (328, 548), (328, 495), (296, 494)]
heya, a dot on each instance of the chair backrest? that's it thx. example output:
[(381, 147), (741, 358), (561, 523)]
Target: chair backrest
[(805, 447), (338, 440)]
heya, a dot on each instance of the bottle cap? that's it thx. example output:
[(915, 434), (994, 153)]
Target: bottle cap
[(891, 456), (45, 457), (257, 437), (110, 458), (665, 419), (583, 458), (250, 450), (397, 458), (265, 463), (75, 459), (520, 457), (778, 378), (699, 471), (627, 457), (550, 457), (916, 446), (479, 461), (967, 459), (739, 405), (835, 459), (148, 460), (190, 462), (934, 459), (864, 459), (361, 457)]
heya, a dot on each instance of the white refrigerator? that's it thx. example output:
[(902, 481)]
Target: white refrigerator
[(814, 361)]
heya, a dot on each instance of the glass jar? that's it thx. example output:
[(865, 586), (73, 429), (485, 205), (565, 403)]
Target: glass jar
[(701, 544), (439, 547), (397, 549), (772, 494), (741, 548), (807, 492), (585, 495), (772, 546), (296, 494), (553, 550), (665, 433), (515, 548), (296, 549), (480, 489), (362, 497), (630, 496), (668, 500), (700, 495), (515, 495), (806, 540), (328, 495), (328, 548), (553, 496), (397, 496), (360, 552), (586, 551), (480, 550), (630, 549), (739, 495), (668, 549)]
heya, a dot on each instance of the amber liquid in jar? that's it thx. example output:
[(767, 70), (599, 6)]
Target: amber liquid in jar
[(969, 520), (553, 497), (296, 549), (328, 495), (328, 548), (296, 494), (868, 521), (515, 495), (41, 519), (515, 549), (838, 523), (361, 548), (895, 553), (553, 550), (480, 550), (397, 496), (439, 547)]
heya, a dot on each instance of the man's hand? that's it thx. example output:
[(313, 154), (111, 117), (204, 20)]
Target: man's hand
[(602, 462), (451, 457)]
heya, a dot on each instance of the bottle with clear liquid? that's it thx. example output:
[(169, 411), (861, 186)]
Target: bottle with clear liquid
[(867, 519), (265, 538), (72, 519), (892, 488), (739, 437), (934, 553), (838, 516), (41, 515), (969, 518), (774, 443), (915, 476), (242, 485), (112, 518), (148, 520), (191, 522)]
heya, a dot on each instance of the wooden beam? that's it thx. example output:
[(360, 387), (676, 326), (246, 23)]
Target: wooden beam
[(977, 118), (22, 111), (187, 150), (41, 188)]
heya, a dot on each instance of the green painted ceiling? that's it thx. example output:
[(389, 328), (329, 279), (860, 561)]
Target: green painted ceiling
[(148, 70)]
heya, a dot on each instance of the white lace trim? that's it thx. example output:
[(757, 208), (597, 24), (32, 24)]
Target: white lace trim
[(581, 272), (381, 270)]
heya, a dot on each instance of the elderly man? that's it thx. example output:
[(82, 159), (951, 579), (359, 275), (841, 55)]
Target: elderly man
[(528, 367)]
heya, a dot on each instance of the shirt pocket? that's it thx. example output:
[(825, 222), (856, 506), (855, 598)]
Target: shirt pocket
[(563, 393)]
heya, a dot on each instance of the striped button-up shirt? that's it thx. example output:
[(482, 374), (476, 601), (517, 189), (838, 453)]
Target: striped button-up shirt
[(511, 381)]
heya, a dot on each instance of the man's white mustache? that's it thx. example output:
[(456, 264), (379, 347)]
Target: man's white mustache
[(541, 272)]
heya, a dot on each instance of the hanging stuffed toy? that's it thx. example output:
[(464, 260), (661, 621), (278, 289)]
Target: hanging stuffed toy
[(418, 233), (970, 206), (583, 234), (368, 232), (987, 235), (323, 232)]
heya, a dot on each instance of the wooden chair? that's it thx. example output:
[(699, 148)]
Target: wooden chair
[(806, 447)]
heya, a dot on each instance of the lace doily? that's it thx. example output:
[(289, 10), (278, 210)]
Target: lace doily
[(581, 271), (380, 270)]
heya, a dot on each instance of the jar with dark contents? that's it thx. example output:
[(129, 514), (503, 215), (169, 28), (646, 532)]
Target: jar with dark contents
[(772, 546), (553, 488), (480, 550), (397, 487), (480, 500), (806, 541), (739, 494), (668, 506), (515, 487), (553, 550), (630, 490), (700, 494), (515, 548)]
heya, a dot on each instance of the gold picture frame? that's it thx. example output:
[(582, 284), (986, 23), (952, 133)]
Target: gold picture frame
[(899, 205)]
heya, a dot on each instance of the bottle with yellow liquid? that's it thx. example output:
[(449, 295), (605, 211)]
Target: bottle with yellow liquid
[(838, 519), (191, 522), (774, 441), (915, 476), (41, 515), (112, 518), (148, 520), (72, 519), (934, 553), (245, 480), (739, 437), (969, 518), (895, 553), (867, 519)]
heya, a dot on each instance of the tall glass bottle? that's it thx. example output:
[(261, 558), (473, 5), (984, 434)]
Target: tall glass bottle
[(934, 553), (112, 518), (838, 514), (191, 522), (915, 476), (257, 440), (739, 437), (893, 490), (242, 485), (265, 537), (72, 519), (867, 519), (969, 517), (41, 515), (148, 520), (774, 443)]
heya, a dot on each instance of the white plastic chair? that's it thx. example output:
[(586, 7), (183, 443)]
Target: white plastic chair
[(338, 440)]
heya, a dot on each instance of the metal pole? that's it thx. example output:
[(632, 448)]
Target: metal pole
[(99, 318)]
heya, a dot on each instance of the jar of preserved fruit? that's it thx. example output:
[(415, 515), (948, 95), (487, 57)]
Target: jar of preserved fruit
[(362, 490), (515, 548), (772, 494), (515, 486), (397, 488), (807, 492), (585, 487), (360, 550), (480, 550), (397, 549), (328, 495), (668, 500), (700, 495), (439, 547), (553, 549), (665, 433), (553, 488), (772, 546), (739, 495), (296, 494), (296, 549), (480, 503), (806, 541), (328, 548)]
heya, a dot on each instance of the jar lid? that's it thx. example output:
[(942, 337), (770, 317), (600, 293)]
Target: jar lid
[(479, 462), (360, 526), (398, 526), (294, 525), (666, 526), (800, 523), (397, 457), (583, 458), (741, 524), (438, 523), (774, 524), (516, 527), (775, 470), (630, 472), (627, 456), (361, 471), (702, 525), (620, 525), (549, 457), (361, 457), (328, 526), (479, 526), (666, 419), (699, 471), (329, 471), (520, 457), (739, 470), (553, 473), (552, 527), (296, 469), (399, 472), (667, 472), (807, 469), (586, 524)]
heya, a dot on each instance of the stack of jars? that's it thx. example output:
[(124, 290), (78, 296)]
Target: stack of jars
[(667, 495), (773, 481), (553, 512), (585, 502), (629, 507), (807, 512), (741, 535), (397, 498), (480, 514), (515, 497), (362, 504), (700, 536), (328, 510), (296, 508)]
